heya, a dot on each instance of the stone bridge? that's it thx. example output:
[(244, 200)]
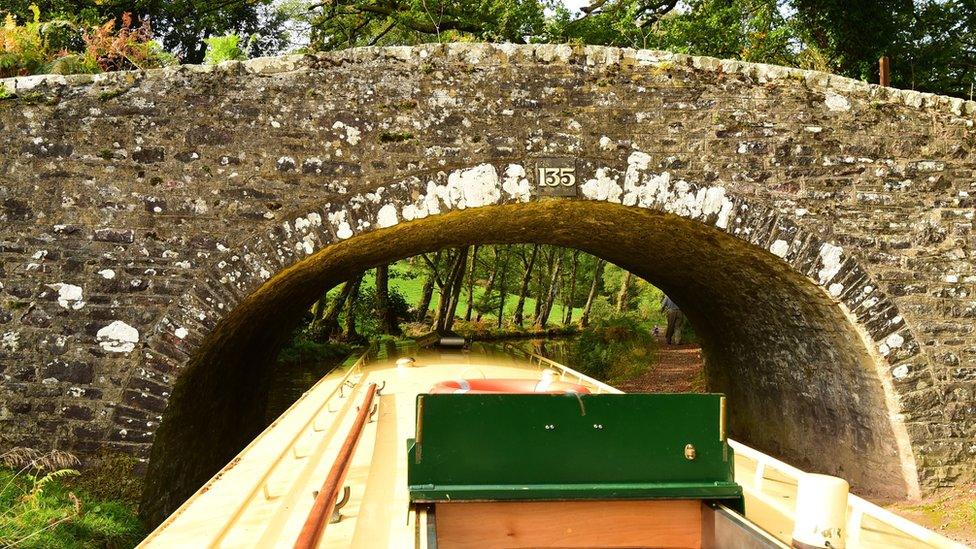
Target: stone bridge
[(161, 231)]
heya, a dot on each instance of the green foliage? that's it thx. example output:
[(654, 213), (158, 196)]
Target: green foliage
[(367, 322), (180, 26), (28, 48), (4, 92), (67, 46), (39, 509), (303, 348), (613, 348), (112, 476), (349, 23), (751, 30), (223, 48)]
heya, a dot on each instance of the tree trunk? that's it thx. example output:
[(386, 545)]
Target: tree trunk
[(597, 275), (351, 335), (318, 310), (524, 288), (471, 273), (428, 292), (622, 295), (384, 313), (501, 292), (550, 298), (541, 285), (325, 326), (450, 291), (490, 286), (456, 284), (568, 302)]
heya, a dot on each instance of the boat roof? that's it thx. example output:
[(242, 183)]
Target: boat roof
[(262, 497)]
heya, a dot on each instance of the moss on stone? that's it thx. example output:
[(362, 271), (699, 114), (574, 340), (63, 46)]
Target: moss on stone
[(395, 137), (113, 476)]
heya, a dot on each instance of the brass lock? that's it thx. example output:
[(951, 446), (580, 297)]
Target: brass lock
[(690, 451)]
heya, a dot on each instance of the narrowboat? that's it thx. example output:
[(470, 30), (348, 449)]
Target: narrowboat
[(489, 447)]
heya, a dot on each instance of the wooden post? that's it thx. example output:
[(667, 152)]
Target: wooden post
[(884, 66)]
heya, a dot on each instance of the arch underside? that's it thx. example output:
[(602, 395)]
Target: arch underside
[(802, 380)]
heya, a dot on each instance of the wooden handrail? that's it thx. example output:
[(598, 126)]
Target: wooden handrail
[(325, 501)]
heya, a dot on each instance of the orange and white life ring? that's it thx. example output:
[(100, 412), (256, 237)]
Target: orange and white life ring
[(498, 385)]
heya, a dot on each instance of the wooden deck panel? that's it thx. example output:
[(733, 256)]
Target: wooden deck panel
[(663, 524)]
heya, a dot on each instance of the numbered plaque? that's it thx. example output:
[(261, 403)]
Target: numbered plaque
[(556, 177)]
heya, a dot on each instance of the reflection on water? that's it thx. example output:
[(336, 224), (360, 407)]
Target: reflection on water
[(291, 380), (559, 350)]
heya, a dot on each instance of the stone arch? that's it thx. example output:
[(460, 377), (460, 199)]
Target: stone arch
[(136, 208), (852, 410)]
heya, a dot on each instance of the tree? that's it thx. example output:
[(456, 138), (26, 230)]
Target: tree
[(450, 292), (351, 335), (427, 293), (549, 299), (182, 26), (502, 288), (384, 313), (484, 302), (594, 286), (338, 24), (622, 294), (471, 275), (517, 318), (571, 296)]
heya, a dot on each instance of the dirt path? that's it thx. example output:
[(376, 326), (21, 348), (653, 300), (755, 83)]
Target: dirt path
[(678, 370), (948, 511)]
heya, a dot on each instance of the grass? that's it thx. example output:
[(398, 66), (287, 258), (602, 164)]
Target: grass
[(46, 512)]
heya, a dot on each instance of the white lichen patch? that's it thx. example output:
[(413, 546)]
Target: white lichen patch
[(117, 337), (339, 221), (831, 258), (900, 371), (516, 184), (10, 341), (352, 133), (894, 341), (69, 295), (304, 223), (716, 202), (181, 332), (837, 102), (387, 216), (836, 289), (606, 143), (648, 189), (471, 187), (602, 187), (779, 248)]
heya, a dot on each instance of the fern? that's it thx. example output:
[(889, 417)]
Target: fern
[(65, 46), (39, 484), (223, 48)]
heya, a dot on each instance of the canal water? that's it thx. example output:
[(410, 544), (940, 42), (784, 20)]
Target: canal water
[(291, 380)]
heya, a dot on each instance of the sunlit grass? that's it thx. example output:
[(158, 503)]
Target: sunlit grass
[(40, 508)]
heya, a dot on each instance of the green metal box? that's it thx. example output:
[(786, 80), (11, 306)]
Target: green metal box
[(560, 447)]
